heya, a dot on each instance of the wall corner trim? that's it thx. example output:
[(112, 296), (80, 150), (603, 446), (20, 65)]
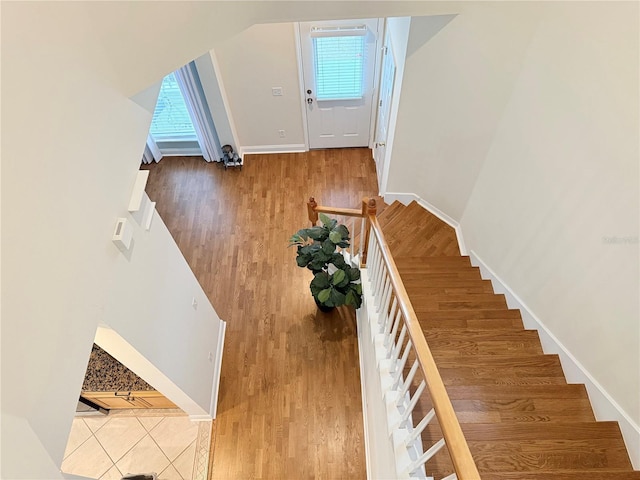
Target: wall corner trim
[(604, 406), (217, 369), (407, 198)]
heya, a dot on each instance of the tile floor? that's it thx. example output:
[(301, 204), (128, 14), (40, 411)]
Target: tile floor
[(137, 441)]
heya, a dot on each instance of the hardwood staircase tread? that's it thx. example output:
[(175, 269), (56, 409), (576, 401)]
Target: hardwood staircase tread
[(488, 314), (544, 360), (428, 323), (595, 474), (528, 410), (520, 417), (506, 393)]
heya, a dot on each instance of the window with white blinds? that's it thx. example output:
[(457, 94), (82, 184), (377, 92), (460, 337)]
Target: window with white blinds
[(171, 120), (339, 67)]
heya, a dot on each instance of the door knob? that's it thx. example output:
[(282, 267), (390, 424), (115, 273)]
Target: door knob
[(381, 144)]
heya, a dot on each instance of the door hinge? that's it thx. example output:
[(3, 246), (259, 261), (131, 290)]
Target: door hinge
[(380, 103), (385, 50)]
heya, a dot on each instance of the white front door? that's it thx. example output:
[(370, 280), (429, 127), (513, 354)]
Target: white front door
[(387, 78), (338, 64)]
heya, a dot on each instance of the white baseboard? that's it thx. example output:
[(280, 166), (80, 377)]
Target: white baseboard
[(200, 418), (407, 198), (604, 406), (255, 149), (217, 368)]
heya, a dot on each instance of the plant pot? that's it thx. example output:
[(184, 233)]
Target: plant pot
[(323, 308)]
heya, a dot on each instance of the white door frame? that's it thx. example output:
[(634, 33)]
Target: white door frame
[(376, 82), (388, 56)]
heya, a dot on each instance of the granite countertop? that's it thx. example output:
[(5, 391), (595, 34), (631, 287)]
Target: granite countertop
[(106, 374)]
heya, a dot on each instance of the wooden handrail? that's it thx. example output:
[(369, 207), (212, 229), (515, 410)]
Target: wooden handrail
[(369, 208), (463, 463), (459, 452), (314, 209)]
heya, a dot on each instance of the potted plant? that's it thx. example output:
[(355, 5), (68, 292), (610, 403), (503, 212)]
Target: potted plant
[(334, 282)]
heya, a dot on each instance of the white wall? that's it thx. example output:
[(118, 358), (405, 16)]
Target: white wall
[(457, 81), (215, 95), (560, 178), (72, 143), (251, 63), (71, 149)]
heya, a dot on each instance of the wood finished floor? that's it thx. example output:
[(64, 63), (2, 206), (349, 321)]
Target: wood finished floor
[(290, 405)]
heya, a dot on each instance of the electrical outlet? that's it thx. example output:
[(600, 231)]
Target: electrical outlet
[(281, 133), (210, 357), (276, 91), (194, 303)]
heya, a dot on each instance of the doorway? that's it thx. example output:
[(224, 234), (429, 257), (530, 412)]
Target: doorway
[(387, 79), (338, 62)]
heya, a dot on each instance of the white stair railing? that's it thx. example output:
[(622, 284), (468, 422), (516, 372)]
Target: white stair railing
[(397, 338)]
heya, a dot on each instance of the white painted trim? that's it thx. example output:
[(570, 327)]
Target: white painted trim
[(379, 449), (375, 91), (213, 409), (301, 92), (153, 146), (604, 406), (195, 102), (290, 148), (365, 416), (191, 152), (200, 418), (407, 198), (225, 98)]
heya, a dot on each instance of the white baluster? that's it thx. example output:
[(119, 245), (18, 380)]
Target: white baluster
[(403, 362), (393, 323), (380, 299), (394, 352), (362, 225), (352, 232), (386, 296), (392, 336), (413, 402), (389, 316), (407, 383), (424, 458), (421, 426)]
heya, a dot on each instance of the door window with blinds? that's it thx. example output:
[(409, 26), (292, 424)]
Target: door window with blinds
[(339, 59)]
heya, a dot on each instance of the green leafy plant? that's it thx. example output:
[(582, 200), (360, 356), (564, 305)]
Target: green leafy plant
[(317, 250)]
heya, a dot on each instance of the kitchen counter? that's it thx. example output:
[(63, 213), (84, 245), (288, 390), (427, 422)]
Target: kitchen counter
[(106, 374)]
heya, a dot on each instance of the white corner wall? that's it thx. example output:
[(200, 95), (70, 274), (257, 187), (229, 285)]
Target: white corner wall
[(71, 149), (251, 63), (555, 208), (458, 76), (215, 95)]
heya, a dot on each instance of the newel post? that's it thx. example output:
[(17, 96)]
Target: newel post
[(311, 210), (369, 209)]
